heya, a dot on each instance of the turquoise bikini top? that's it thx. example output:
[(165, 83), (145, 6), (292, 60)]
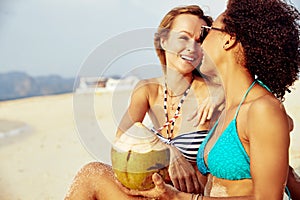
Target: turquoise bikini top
[(227, 159)]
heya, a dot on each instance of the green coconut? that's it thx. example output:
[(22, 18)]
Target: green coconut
[(137, 155)]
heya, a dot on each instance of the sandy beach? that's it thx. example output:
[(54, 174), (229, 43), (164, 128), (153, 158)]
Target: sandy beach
[(40, 163), (57, 135)]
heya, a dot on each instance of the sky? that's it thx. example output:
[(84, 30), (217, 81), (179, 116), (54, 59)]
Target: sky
[(42, 37)]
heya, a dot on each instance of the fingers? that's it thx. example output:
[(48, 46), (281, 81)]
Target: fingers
[(158, 181), (183, 184), (173, 172), (183, 176), (180, 182), (203, 113), (192, 116), (203, 116), (197, 185), (210, 113), (196, 116), (197, 121), (189, 183), (154, 193)]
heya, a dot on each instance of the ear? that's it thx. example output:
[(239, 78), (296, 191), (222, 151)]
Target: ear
[(163, 43), (229, 42)]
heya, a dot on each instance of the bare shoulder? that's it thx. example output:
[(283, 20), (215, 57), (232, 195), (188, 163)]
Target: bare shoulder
[(267, 114), (266, 105), (147, 85), (146, 89)]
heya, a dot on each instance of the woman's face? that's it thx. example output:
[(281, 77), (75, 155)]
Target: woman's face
[(212, 47), (182, 47)]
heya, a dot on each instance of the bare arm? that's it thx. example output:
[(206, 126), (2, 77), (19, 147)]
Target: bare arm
[(268, 132), (138, 107), (163, 191), (182, 173)]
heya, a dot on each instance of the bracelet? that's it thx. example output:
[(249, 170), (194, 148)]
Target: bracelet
[(197, 196), (192, 197), (201, 197)]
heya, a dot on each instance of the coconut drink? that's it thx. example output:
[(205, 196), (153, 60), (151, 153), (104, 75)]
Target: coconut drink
[(137, 155)]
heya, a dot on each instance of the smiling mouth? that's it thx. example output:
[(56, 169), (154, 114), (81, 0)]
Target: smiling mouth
[(191, 59)]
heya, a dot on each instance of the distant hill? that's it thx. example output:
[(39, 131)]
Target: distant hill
[(14, 85)]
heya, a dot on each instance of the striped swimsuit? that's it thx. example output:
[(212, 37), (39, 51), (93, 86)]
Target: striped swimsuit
[(187, 143)]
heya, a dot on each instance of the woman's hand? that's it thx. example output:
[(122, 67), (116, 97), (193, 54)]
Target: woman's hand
[(182, 173), (204, 112), (208, 106), (161, 191)]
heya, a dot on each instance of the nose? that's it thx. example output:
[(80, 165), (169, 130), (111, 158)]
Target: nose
[(192, 45)]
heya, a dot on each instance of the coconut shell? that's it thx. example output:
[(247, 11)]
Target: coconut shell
[(135, 157)]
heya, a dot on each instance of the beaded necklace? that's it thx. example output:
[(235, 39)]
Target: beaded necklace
[(173, 119)]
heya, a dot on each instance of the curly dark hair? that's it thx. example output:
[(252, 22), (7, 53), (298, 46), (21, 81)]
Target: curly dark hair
[(268, 31), (166, 24)]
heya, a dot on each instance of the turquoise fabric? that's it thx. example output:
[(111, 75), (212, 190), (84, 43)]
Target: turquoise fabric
[(227, 158)]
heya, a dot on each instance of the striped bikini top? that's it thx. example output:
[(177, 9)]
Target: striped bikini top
[(187, 143)]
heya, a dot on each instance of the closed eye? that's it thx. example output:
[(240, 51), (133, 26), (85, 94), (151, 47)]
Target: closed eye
[(184, 37)]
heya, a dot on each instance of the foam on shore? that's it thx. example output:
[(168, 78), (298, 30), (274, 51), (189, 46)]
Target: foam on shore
[(10, 128)]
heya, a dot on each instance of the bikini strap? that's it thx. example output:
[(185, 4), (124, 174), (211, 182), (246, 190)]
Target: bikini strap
[(243, 99), (245, 95), (263, 85)]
